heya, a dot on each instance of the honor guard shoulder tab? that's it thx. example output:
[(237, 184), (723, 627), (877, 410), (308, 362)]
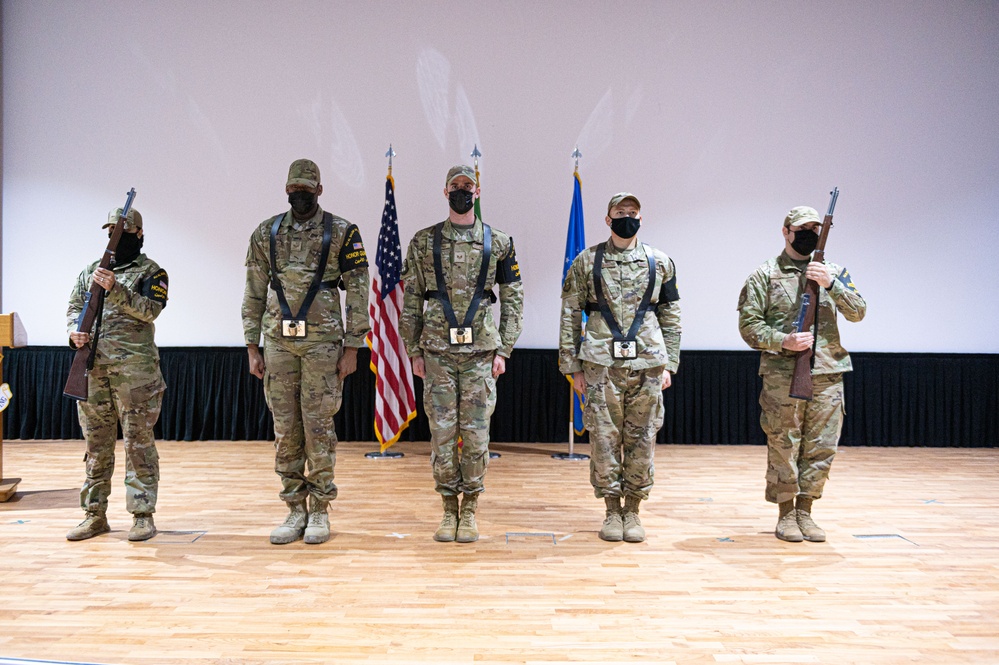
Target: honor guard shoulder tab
[(668, 293), (507, 269), (155, 286), (352, 254)]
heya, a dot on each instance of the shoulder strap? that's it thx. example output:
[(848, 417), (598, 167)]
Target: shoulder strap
[(643, 306), (317, 278), (442, 294)]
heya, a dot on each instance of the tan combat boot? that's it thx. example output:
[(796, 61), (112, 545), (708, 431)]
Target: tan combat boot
[(318, 529), (787, 524), (634, 532), (142, 527), (810, 531), (449, 523), (93, 524), (468, 531), (293, 527), (613, 529)]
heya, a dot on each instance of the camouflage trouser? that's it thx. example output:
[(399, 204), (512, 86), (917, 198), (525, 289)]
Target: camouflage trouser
[(303, 392), (624, 411), (459, 396), (133, 394), (801, 435)]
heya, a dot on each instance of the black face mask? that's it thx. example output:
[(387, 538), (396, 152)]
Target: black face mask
[(625, 227), (805, 241), (302, 202), (461, 201), (129, 245)]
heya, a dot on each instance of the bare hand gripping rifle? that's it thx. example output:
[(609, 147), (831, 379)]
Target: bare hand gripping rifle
[(93, 305), (801, 383)]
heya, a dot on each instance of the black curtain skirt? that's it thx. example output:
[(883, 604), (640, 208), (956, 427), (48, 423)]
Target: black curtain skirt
[(892, 399)]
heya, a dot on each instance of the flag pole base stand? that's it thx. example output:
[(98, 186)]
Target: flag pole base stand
[(388, 454), (8, 486), (493, 455), (572, 456)]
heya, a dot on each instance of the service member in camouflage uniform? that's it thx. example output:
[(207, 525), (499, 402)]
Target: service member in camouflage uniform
[(624, 388), (801, 435), (459, 361), (308, 348), (125, 384)]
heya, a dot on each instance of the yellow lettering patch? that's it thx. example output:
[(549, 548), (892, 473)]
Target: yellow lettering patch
[(155, 287), (847, 281), (352, 254)]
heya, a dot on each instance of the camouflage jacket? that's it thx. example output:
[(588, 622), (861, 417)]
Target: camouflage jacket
[(461, 259), (770, 302), (625, 280), (130, 307), (298, 247)]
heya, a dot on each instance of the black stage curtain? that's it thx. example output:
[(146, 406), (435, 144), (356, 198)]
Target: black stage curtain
[(892, 399)]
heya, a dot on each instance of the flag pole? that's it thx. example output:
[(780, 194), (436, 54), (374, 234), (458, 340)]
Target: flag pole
[(388, 453), (572, 455), (572, 422), (475, 154)]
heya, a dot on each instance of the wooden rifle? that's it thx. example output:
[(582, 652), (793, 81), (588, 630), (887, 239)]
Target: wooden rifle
[(93, 305), (801, 382)]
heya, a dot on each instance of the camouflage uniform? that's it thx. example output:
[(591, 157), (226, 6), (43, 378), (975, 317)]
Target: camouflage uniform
[(125, 384), (301, 383), (801, 435), (624, 399), (459, 391)]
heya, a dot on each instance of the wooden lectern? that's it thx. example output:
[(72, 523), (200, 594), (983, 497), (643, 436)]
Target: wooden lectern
[(11, 335)]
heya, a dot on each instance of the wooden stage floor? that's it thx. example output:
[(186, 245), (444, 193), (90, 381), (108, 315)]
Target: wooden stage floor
[(910, 572)]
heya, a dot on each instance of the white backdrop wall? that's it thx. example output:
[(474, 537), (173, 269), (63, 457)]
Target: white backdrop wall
[(720, 116)]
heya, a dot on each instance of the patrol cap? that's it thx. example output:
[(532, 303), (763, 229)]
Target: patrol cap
[(133, 221), (460, 170), (303, 172), (623, 196), (802, 215)]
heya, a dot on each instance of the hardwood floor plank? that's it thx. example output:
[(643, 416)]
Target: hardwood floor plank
[(910, 571)]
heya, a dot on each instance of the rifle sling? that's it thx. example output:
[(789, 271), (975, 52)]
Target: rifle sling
[(643, 306), (442, 293), (317, 279), (815, 335)]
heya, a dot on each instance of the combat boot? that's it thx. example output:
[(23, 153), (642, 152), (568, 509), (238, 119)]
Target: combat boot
[(93, 524), (810, 531), (142, 527), (293, 527), (449, 523), (468, 531), (318, 530), (787, 525), (634, 532), (613, 529)]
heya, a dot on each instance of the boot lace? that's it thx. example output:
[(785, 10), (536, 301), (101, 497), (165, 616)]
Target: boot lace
[(316, 519), (631, 519), (292, 519)]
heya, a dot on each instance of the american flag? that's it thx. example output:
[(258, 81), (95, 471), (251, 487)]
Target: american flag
[(395, 403)]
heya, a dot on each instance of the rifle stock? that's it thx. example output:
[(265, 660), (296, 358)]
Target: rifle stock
[(801, 381), (76, 384)]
